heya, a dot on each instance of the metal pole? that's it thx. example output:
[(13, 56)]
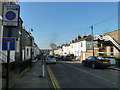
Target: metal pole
[(92, 40), (8, 60), (43, 68), (8, 69), (31, 46), (31, 52)]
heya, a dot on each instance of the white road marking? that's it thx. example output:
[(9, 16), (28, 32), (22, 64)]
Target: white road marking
[(91, 74)]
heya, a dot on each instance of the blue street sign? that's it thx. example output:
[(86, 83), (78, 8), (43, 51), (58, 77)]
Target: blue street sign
[(8, 44)]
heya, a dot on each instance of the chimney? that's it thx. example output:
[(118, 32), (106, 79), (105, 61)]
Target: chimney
[(79, 37)]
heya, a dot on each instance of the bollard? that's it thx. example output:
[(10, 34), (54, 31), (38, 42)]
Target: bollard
[(43, 68)]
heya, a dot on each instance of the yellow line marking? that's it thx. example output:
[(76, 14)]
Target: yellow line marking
[(53, 79), (114, 71)]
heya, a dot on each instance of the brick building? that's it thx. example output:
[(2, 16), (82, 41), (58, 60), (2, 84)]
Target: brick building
[(115, 35)]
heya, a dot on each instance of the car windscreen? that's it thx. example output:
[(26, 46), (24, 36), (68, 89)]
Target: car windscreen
[(51, 57), (98, 58)]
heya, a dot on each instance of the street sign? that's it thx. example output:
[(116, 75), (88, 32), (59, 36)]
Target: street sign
[(8, 44), (11, 15)]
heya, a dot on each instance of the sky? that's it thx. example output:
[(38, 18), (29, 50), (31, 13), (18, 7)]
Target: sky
[(61, 22)]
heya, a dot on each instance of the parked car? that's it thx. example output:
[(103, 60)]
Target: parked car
[(34, 60), (56, 56), (96, 62), (112, 60), (67, 58), (50, 59), (60, 57)]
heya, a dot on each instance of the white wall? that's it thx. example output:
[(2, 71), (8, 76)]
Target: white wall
[(64, 50), (72, 48), (23, 55), (1, 35), (27, 52), (4, 56), (75, 48), (83, 46)]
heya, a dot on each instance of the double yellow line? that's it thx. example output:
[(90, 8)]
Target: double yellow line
[(53, 79)]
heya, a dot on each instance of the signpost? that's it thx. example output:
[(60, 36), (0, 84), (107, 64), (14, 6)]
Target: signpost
[(10, 20), (11, 15), (8, 44)]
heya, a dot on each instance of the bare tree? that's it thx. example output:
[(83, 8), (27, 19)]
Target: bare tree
[(53, 46)]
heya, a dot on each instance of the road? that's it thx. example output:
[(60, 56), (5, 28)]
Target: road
[(74, 75)]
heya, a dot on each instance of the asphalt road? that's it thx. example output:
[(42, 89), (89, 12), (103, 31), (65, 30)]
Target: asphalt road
[(74, 75)]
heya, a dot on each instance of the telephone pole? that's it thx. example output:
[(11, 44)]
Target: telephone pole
[(92, 39)]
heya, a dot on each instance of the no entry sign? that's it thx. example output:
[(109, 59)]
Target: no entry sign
[(11, 15), (8, 44)]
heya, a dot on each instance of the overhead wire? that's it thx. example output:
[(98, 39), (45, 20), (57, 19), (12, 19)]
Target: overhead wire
[(96, 24), (87, 27)]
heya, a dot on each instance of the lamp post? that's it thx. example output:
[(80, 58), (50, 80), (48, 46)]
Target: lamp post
[(92, 38)]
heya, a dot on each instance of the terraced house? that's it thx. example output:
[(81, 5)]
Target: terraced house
[(106, 45), (25, 48)]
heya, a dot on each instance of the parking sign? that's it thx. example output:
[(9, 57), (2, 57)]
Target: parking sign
[(11, 15)]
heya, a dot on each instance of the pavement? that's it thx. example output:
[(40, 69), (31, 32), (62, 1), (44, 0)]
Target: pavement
[(33, 78), (112, 67), (115, 68)]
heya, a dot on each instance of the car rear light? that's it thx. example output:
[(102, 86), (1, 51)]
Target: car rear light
[(108, 62)]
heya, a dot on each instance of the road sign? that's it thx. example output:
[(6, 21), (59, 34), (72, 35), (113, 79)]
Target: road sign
[(11, 15), (8, 44)]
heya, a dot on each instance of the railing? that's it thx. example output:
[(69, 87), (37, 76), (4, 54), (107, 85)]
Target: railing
[(107, 37), (3, 58)]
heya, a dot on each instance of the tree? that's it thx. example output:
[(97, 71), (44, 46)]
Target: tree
[(53, 46)]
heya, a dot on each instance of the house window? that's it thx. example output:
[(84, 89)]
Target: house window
[(27, 51)]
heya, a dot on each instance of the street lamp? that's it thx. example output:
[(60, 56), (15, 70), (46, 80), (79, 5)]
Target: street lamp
[(30, 30), (92, 38)]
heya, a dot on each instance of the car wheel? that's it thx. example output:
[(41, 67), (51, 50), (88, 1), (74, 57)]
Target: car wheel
[(93, 66)]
